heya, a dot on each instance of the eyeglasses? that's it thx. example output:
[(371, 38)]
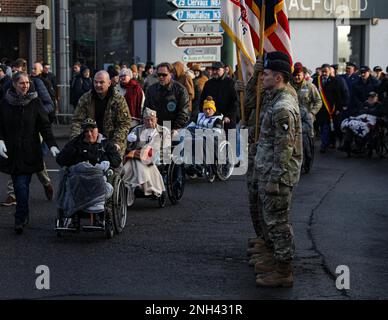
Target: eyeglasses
[(162, 75)]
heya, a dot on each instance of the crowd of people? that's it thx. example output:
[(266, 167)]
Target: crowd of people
[(123, 109)]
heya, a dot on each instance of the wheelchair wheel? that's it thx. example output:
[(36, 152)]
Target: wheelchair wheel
[(210, 173), (109, 226), (175, 182), (120, 208), (162, 200), (224, 170)]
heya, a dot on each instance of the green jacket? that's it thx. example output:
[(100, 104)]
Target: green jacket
[(117, 120), (280, 148)]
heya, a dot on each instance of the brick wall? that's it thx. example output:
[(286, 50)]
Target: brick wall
[(25, 8)]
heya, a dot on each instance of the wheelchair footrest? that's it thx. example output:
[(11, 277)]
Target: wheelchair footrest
[(66, 229), (92, 228)]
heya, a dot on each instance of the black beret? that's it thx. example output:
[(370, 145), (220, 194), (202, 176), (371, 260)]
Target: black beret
[(325, 65), (278, 65), (277, 55), (351, 64)]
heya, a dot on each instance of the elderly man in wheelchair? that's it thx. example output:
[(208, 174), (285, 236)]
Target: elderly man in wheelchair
[(365, 132), (90, 185), (148, 145), (208, 134)]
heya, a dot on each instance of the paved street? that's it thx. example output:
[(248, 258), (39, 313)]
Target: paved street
[(196, 250)]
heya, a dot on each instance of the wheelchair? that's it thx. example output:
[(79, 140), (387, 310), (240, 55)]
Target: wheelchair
[(222, 168), (111, 221), (373, 142), (174, 179)]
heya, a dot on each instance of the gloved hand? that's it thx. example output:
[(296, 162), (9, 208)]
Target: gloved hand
[(54, 151), (3, 150), (272, 188), (259, 66), (104, 165), (132, 137), (239, 86)]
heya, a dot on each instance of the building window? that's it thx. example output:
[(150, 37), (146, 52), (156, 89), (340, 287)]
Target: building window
[(351, 44), (101, 33)]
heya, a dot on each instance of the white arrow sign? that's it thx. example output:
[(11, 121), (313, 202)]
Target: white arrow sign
[(196, 3), (200, 51), (200, 28), (200, 58)]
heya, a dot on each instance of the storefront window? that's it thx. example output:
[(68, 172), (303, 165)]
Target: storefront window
[(100, 34)]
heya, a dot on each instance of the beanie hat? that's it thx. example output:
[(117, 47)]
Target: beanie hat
[(148, 113), (126, 72), (209, 104), (298, 68)]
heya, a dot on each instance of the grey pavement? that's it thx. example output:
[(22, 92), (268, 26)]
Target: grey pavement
[(197, 249)]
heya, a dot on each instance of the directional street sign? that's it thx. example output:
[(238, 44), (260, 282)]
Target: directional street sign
[(201, 51), (196, 15), (200, 28), (199, 41), (196, 3), (200, 58)]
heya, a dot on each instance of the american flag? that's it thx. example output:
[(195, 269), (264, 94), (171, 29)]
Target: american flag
[(243, 17)]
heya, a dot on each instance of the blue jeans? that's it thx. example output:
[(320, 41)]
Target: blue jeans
[(21, 184)]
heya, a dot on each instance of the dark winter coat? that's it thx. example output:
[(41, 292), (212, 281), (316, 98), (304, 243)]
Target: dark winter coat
[(21, 122), (5, 84), (333, 93), (77, 150), (79, 87), (43, 94), (361, 91), (225, 96), (171, 103)]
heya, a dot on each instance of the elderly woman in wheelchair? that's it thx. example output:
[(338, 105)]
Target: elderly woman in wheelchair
[(148, 144), (208, 130), (90, 185)]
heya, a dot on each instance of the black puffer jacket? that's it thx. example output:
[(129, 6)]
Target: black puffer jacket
[(21, 121), (225, 96), (77, 150), (171, 104)]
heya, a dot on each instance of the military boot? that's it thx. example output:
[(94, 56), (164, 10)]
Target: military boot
[(282, 276), (258, 248), (253, 241), (265, 265), (257, 257)]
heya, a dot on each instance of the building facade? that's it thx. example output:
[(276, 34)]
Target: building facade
[(19, 36)]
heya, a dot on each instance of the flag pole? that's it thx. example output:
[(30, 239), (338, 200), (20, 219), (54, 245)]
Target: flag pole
[(240, 77), (259, 82)]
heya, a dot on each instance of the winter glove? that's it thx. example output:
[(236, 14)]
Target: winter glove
[(132, 137), (104, 165), (3, 150), (54, 151)]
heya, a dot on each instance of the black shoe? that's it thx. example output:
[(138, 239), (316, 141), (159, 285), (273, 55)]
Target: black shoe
[(19, 228)]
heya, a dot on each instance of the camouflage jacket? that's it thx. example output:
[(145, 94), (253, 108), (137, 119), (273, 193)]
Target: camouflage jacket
[(310, 103), (279, 149), (309, 97), (117, 120)]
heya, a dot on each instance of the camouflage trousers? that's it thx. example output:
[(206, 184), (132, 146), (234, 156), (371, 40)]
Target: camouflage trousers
[(253, 192), (276, 226)]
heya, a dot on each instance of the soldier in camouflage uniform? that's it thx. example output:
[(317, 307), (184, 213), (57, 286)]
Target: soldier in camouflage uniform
[(310, 101), (110, 110), (259, 246), (278, 164)]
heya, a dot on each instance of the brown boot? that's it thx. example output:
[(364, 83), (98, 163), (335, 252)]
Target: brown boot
[(258, 248), (257, 257), (265, 265), (281, 277), (253, 241)]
